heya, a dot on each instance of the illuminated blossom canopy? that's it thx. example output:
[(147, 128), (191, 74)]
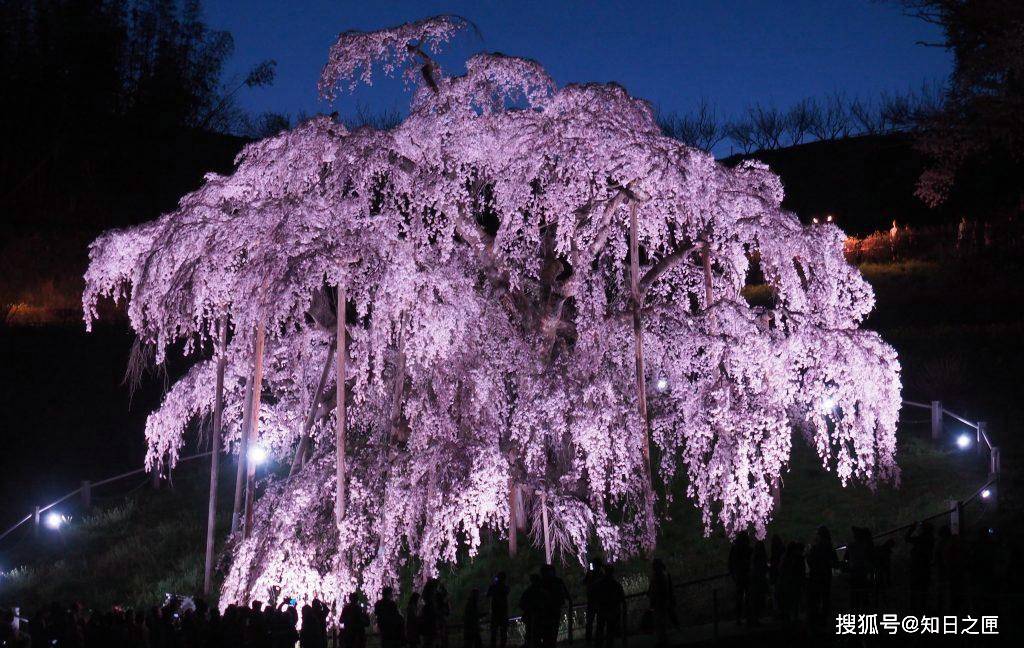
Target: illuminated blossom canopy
[(496, 323)]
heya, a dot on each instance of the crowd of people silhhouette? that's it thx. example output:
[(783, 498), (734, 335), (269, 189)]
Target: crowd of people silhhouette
[(425, 621), (945, 573), (784, 582)]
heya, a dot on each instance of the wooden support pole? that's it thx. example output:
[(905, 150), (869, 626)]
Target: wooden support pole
[(513, 527), (86, 494), (936, 420), (340, 494), (243, 452), (218, 415), (981, 442), (254, 424), (956, 519), (544, 521), (37, 519), (300, 452), (993, 463)]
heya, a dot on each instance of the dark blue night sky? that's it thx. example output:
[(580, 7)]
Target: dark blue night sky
[(732, 52)]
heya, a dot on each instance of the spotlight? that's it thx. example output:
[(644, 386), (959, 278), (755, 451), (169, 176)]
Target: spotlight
[(829, 219), (963, 441), (257, 455), (54, 520), (985, 494), (662, 384), (828, 404), (815, 220)]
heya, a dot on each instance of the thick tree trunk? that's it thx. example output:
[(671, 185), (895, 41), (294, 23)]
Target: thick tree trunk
[(342, 343), (399, 388), (641, 379), (218, 412), (254, 424), (314, 405), (707, 275)]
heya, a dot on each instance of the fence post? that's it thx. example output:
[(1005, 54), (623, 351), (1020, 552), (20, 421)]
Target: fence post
[(936, 420), (993, 463), (37, 519), (956, 512), (86, 494), (981, 436)]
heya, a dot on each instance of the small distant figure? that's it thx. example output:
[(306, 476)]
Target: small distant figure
[(775, 569), (498, 592), (821, 560), (354, 621), (662, 598), (389, 619), (595, 572), (557, 596), (611, 599), (412, 621), (758, 583), (532, 605), (921, 539), (739, 570), (894, 240), (792, 581), (471, 621)]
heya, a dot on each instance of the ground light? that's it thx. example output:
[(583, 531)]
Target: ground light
[(54, 520), (257, 455), (963, 441), (662, 384)]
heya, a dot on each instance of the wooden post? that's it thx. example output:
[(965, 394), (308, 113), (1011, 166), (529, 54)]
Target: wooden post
[(641, 379), (86, 493), (156, 478), (993, 463), (513, 527), (254, 424), (936, 420), (708, 292), (303, 449), (218, 415), (243, 450), (982, 438), (339, 503), (956, 513), (37, 518), (544, 520)]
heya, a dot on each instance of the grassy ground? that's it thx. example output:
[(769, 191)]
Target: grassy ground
[(134, 548)]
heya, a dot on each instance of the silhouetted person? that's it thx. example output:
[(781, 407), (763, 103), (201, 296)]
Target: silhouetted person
[(412, 621), (821, 559), (775, 569), (739, 570), (354, 621), (791, 580), (662, 598), (611, 599), (389, 619), (758, 583), (429, 614), (532, 604), (883, 567), (471, 621), (314, 626), (595, 572), (498, 592), (558, 596), (922, 540)]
